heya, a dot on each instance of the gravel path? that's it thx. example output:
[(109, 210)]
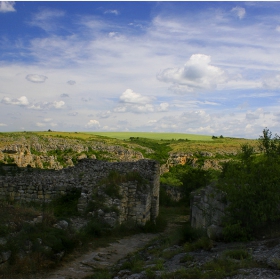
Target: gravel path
[(107, 256)]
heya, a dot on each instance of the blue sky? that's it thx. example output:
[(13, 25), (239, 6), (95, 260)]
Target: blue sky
[(192, 67)]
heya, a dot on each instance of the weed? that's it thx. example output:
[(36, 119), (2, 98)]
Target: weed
[(202, 243), (100, 273), (150, 273), (237, 254), (159, 265), (135, 264)]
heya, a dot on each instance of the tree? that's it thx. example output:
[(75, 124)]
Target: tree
[(252, 187), (268, 145)]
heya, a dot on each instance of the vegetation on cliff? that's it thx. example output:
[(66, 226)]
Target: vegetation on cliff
[(252, 186)]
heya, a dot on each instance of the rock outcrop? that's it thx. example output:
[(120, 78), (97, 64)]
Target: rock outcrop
[(57, 153), (207, 210)]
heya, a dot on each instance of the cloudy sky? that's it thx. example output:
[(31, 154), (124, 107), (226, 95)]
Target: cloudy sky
[(208, 68)]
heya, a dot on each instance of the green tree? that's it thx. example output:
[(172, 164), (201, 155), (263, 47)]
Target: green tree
[(252, 187)]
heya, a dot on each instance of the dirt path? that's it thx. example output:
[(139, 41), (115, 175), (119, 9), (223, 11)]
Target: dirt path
[(107, 256)]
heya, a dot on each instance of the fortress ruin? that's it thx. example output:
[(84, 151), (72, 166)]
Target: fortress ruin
[(136, 202)]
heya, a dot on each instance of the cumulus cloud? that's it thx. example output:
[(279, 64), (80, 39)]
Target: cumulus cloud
[(115, 12), (47, 105), (7, 6), (22, 101), (42, 124), (147, 108), (163, 107), (239, 11), (71, 82), (104, 115), (93, 124), (46, 122), (129, 96), (197, 74), (134, 102), (34, 78), (113, 34)]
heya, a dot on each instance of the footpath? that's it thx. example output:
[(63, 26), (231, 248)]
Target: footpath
[(106, 257)]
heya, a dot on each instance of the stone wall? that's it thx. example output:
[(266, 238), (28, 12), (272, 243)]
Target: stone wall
[(138, 202), (207, 210)]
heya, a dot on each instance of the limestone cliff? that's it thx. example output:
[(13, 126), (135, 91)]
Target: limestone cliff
[(56, 153)]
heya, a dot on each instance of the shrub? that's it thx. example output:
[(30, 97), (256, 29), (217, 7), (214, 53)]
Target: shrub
[(237, 254), (252, 187), (66, 205), (187, 179)]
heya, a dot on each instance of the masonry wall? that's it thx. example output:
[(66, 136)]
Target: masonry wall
[(207, 207), (138, 203)]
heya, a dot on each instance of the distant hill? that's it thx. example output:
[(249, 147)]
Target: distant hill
[(154, 135)]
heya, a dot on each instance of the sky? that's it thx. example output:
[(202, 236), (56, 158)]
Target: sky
[(210, 68)]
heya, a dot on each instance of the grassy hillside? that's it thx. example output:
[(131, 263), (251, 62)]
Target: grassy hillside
[(154, 135)]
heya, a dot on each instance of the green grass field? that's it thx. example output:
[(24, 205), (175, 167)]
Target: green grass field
[(154, 135)]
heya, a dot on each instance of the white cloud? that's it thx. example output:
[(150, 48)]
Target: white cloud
[(58, 104), (47, 119), (112, 34), (272, 82), (45, 123), (3, 124), (239, 11), (135, 103), (22, 101), (251, 116), (93, 124), (34, 78), (197, 74), (129, 96), (7, 6), (138, 109), (104, 115), (46, 19), (40, 124), (47, 105), (115, 12), (163, 107)]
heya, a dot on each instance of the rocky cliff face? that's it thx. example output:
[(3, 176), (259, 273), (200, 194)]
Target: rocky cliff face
[(56, 153), (210, 160)]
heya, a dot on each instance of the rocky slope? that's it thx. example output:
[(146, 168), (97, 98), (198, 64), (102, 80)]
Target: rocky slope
[(56, 153)]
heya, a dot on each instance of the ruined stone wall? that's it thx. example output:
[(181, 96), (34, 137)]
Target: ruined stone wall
[(207, 210), (139, 202)]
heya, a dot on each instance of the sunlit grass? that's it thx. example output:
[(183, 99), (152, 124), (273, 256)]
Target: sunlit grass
[(154, 135)]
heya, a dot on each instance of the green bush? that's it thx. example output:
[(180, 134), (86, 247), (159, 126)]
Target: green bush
[(160, 148), (187, 178), (66, 205), (252, 187)]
